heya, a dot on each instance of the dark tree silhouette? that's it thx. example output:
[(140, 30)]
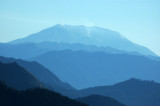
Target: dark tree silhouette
[(34, 97)]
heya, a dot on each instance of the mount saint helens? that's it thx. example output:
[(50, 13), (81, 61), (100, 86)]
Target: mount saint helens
[(85, 35)]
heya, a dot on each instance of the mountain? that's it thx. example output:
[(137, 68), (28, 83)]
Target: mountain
[(34, 97), (46, 77), (97, 100), (85, 35), (16, 76), (50, 46), (132, 92), (84, 69), (23, 50), (78, 46), (30, 49)]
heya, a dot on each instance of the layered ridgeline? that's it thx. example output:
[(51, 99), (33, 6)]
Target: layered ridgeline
[(133, 92), (98, 100), (85, 35), (113, 65), (29, 50), (36, 70), (84, 69), (34, 97), (18, 77), (23, 50)]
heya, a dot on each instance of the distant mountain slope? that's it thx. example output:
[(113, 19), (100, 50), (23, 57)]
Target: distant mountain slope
[(34, 97), (85, 35), (97, 100), (83, 69), (78, 46), (15, 76), (23, 50), (48, 79), (132, 92), (30, 49), (88, 48)]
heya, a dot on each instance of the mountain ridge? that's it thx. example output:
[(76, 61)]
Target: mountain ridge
[(98, 100), (132, 92), (98, 66), (45, 76), (86, 35), (34, 97), (18, 77)]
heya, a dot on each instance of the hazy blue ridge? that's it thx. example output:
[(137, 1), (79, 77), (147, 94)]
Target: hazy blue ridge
[(132, 92), (85, 35), (84, 69), (18, 77), (42, 74), (98, 100)]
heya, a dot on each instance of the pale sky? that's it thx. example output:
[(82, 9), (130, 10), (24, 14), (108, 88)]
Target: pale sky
[(137, 20)]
